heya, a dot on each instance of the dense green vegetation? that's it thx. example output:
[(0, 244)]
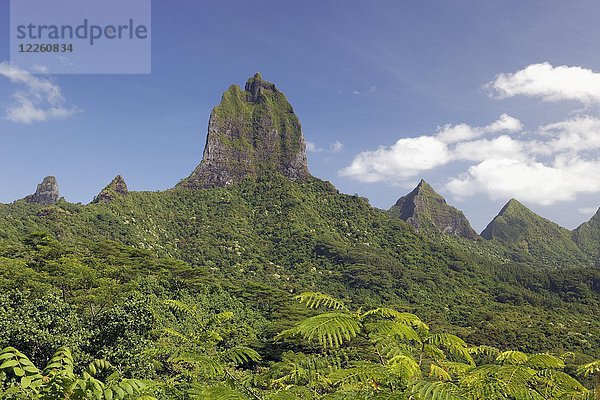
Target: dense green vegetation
[(338, 353), (189, 290)]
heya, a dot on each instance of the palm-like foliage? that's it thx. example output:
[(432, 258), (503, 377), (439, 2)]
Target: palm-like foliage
[(59, 381), (394, 355)]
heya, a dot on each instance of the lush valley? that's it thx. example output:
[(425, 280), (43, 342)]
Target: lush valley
[(192, 292)]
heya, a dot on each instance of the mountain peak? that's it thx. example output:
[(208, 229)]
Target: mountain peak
[(117, 187), (424, 185), (513, 204), (251, 131), (46, 193), (517, 225), (428, 211)]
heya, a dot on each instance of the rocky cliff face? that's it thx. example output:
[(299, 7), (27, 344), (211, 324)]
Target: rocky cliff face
[(46, 194), (116, 188), (427, 211), (251, 131)]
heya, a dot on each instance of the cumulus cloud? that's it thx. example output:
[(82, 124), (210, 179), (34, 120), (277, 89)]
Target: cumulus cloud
[(39, 99), (549, 83), (578, 134), (405, 159), (461, 132), (530, 181), (410, 156), (554, 163)]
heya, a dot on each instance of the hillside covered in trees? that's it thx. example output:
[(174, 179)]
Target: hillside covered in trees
[(214, 289)]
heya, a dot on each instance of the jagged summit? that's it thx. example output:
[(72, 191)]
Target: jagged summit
[(46, 194), (117, 187), (250, 131), (427, 211)]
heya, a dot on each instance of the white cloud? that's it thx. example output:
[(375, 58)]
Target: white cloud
[(461, 132), (552, 164), (574, 135), (405, 159), (483, 149), (336, 147), (549, 83), (408, 157), (530, 181), (39, 100)]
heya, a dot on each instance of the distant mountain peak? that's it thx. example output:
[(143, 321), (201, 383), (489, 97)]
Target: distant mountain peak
[(117, 187), (250, 131), (46, 193), (428, 211), (517, 225)]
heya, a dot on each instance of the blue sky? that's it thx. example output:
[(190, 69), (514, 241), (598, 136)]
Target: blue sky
[(359, 74)]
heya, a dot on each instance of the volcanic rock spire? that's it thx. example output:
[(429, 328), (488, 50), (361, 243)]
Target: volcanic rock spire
[(249, 132)]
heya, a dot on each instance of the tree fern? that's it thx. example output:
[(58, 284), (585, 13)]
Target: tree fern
[(330, 330), (422, 390)]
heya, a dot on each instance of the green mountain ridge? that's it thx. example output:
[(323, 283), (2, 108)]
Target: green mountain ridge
[(549, 243)]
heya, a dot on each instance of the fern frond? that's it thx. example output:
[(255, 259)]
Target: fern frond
[(457, 368), (589, 369), (403, 317), (361, 372), (390, 348), (222, 317), (208, 366), (394, 330), (435, 391), (515, 377), (312, 369), (181, 307), (318, 300), (453, 344), (439, 373), (512, 357), (545, 361), (489, 351), (330, 330), (404, 367), (240, 355), (560, 384)]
